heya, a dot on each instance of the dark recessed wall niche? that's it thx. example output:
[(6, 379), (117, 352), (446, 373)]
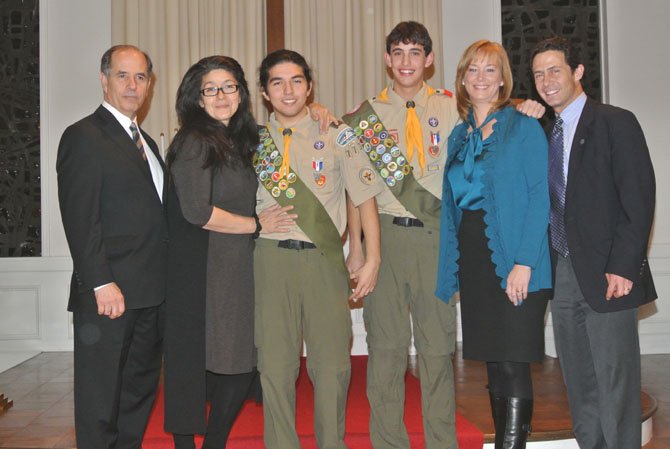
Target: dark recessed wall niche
[(527, 22), (20, 211)]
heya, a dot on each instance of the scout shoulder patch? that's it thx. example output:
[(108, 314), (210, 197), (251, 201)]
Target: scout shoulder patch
[(444, 92), (345, 136)]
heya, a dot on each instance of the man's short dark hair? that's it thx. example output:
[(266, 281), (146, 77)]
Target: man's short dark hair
[(409, 33), (106, 60), (558, 43), (278, 57)]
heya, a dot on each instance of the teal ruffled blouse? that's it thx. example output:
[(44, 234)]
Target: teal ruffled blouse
[(506, 175)]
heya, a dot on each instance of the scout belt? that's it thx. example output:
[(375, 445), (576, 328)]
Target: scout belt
[(312, 219), (392, 165)]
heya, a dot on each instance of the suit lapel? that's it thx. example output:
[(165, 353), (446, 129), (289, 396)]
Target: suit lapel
[(123, 141), (582, 135), (125, 145)]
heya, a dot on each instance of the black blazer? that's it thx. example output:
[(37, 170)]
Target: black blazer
[(113, 218), (609, 206)]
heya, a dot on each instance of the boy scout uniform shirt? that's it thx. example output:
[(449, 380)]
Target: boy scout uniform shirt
[(327, 165), (438, 116)]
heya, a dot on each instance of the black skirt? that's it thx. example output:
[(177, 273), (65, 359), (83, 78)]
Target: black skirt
[(494, 329)]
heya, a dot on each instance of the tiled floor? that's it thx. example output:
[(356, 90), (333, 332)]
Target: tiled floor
[(43, 407), (42, 415)]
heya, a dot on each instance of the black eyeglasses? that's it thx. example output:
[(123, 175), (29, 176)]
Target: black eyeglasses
[(214, 91)]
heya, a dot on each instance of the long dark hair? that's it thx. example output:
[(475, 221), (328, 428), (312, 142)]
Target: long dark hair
[(231, 145)]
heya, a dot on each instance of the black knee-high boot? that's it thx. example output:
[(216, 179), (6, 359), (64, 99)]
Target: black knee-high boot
[(499, 414), (226, 395), (517, 426)]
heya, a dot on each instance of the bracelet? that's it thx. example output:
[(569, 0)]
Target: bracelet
[(257, 232)]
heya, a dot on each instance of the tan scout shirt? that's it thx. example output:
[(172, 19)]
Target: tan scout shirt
[(327, 168), (437, 115)]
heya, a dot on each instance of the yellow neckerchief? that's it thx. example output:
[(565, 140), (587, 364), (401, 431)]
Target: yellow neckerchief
[(413, 132), (286, 163)]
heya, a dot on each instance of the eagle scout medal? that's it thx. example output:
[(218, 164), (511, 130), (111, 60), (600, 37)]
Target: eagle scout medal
[(434, 149)]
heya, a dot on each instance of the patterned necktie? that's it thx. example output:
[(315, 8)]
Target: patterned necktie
[(557, 189), (136, 140)]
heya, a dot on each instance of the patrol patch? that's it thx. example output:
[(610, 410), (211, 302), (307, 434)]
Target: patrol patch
[(367, 176), (345, 136)]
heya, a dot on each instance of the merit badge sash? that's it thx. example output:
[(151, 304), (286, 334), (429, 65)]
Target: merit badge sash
[(312, 219), (392, 165)]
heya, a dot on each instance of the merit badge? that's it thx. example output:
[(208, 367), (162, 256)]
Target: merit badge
[(363, 124), (395, 152), (274, 154), (384, 173), (434, 150), (317, 164), (378, 127), (269, 184), (270, 168), (282, 184), (390, 181), (275, 176), (383, 135), (433, 121), (392, 166), (368, 133), (372, 118), (290, 192), (367, 176), (275, 192), (399, 175), (263, 175), (374, 141), (319, 145), (291, 177)]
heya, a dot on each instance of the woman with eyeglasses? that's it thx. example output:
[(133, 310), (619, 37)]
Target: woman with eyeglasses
[(209, 340)]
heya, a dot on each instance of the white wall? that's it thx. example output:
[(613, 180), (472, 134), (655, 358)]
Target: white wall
[(33, 291), (638, 61)]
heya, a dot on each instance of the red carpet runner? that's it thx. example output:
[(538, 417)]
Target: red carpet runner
[(248, 430)]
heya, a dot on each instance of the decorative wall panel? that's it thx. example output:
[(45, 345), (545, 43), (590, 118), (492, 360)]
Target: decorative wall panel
[(527, 22), (20, 211)]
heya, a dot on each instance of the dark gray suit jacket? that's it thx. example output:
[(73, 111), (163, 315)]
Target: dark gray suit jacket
[(609, 208)]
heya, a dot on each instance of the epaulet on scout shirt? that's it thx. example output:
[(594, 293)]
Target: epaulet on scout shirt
[(444, 92)]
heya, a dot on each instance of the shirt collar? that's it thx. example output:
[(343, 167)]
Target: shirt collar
[(123, 119), (571, 113)]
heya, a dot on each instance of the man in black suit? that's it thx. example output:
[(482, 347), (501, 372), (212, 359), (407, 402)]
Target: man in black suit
[(602, 207), (110, 189)]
